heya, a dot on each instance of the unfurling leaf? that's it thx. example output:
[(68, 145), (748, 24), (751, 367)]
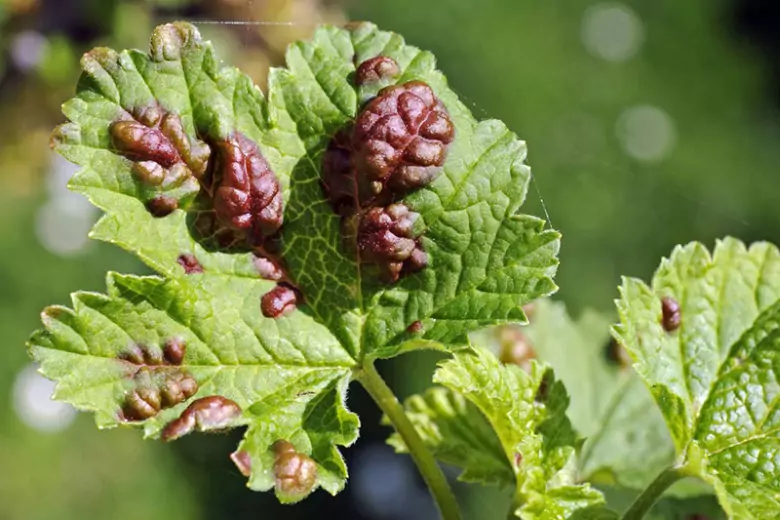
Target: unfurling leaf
[(503, 425), (626, 440), (274, 312), (704, 337)]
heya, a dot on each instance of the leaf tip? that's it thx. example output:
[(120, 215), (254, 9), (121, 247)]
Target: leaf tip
[(63, 135), (170, 40)]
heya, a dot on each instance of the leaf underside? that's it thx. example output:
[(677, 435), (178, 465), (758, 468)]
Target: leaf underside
[(715, 377), (288, 375)]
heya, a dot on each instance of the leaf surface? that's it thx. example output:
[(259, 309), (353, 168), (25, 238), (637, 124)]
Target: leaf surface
[(288, 375), (715, 376), (501, 425), (626, 440)]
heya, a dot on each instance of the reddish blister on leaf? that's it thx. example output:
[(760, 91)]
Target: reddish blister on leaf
[(400, 140), (267, 268), (376, 69), (295, 474), (415, 328), (245, 191), (618, 354), (206, 414), (174, 351), (671, 318), (162, 206), (279, 301), (515, 348), (385, 237), (243, 462), (189, 263)]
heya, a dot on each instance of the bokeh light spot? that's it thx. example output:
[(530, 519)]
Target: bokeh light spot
[(612, 31), (62, 225), (27, 49), (34, 405), (646, 133)]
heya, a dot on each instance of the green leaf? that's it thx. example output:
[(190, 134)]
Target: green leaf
[(485, 260), (289, 375), (457, 433), (714, 377), (535, 448), (231, 351), (627, 442)]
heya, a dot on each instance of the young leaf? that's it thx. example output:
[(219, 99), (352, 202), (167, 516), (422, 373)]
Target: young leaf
[(626, 438), (457, 433), (511, 429), (704, 339), (156, 136)]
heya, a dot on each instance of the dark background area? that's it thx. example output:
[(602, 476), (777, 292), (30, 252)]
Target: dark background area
[(649, 123)]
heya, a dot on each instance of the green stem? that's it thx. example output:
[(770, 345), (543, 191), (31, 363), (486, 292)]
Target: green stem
[(652, 493), (426, 464)]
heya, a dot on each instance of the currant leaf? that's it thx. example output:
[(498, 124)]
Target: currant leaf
[(457, 433), (218, 188), (713, 375), (226, 346), (503, 425), (626, 440), (484, 260)]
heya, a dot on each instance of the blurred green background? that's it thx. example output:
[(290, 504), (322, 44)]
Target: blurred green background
[(649, 123)]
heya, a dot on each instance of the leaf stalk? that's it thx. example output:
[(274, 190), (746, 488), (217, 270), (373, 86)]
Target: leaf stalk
[(645, 501), (422, 457)]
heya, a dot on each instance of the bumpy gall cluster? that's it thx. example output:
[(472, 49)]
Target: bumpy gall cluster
[(156, 384), (397, 144), (166, 162), (670, 314), (153, 393), (385, 238), (246, 194), (400, 140), (295, 474), (206, 414)]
